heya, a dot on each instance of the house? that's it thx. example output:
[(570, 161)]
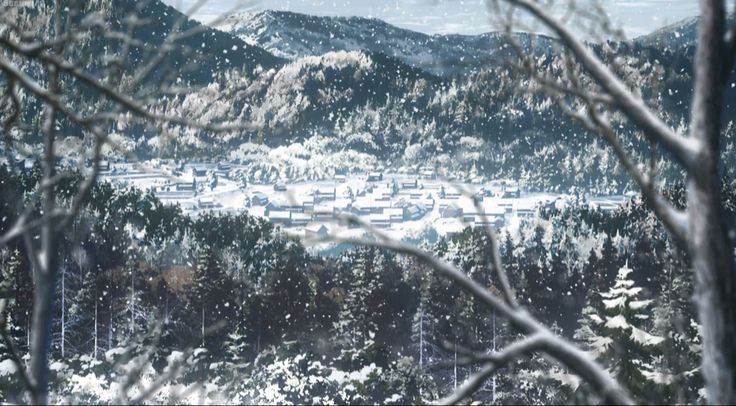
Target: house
[(452, 194), (199, 171), (279, 187), (341, 178), (323, 194), (104, 166), (375, 176), (342, 204), (382, 193), (206, 203), (300, 219), (411, 194), (223, 169), (409, 184), (307, 203), (493, 221), (276, 205), (511, 192), (324, 212), (259, 199), (428, 174), (379, 220), (186, 186), (413, 212), (279, 217), (314, 229), (360, 208), (452, 210), (395, 214)]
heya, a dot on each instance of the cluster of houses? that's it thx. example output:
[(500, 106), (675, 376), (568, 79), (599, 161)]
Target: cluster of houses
[(384, 203)]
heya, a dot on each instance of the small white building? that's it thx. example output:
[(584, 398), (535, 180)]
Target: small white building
[(395, 214), (279, 217), (206, 203), (380, 220), (375, 176), (452, 210), (316, 229), (300, 219)]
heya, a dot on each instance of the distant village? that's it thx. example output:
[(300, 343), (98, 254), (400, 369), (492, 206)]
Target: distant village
[(383, 199)]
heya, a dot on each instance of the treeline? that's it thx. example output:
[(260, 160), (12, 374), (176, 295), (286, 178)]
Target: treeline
[(246, 314)]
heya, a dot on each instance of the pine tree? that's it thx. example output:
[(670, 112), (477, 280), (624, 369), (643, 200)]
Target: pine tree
[(354, 323), (675, 320), (84, 314), (616, 333), (208, 294), (8, 302)]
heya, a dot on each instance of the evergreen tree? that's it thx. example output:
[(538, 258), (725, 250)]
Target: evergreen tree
[(616, 333), (9, 305), (209, 296)]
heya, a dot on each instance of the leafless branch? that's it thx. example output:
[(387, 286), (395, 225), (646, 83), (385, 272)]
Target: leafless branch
[(566, 353), (684, 149)]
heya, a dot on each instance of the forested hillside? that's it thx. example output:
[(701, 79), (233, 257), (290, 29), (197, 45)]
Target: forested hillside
[(239, 306), (377, 102)]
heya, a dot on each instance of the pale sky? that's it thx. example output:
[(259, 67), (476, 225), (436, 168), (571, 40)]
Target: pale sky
[(449, 16)]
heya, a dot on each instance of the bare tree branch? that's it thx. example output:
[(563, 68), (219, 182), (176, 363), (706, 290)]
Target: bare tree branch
[(566, 353), (684, 149)]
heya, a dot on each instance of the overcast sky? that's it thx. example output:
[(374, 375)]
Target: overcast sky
[(450, 16)]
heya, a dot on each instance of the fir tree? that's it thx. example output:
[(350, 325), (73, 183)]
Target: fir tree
[(616, 333)]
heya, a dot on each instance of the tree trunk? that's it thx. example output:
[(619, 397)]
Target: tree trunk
[(710, 246), (46, 262), (63, 310)]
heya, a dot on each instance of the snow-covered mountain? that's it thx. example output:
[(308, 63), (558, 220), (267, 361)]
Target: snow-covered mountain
[(293, 35), (362, 86)]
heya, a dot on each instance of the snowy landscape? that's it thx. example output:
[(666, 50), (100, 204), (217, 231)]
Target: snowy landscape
[(409, 206), (367, 202)]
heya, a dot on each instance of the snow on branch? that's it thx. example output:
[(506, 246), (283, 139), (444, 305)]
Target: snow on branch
[(684, 149), (569, 355)]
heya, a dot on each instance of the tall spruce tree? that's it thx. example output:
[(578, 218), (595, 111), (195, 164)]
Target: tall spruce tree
[(614, 329)]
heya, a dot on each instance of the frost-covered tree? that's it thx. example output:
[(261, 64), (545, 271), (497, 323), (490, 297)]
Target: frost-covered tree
[(208, 295), (614, 327)]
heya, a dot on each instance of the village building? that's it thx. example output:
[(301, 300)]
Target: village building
[(300, 219), (199, 171), (493, 221), (375, 176), (186, 186), (259, 199), (413, 212), (316, 230), (360, 208), (323, 194), (452, 210), (324, 212), (428, 174), (206, 203), (379, 220), (409, 184), (279, 217), (511, 192), (395, 214)]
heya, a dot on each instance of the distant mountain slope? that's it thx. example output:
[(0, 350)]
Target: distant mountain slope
[(198, 55), (379, 93), (294, 35)]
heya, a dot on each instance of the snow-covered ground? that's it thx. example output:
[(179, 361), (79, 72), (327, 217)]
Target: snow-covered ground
[(302, 208)]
